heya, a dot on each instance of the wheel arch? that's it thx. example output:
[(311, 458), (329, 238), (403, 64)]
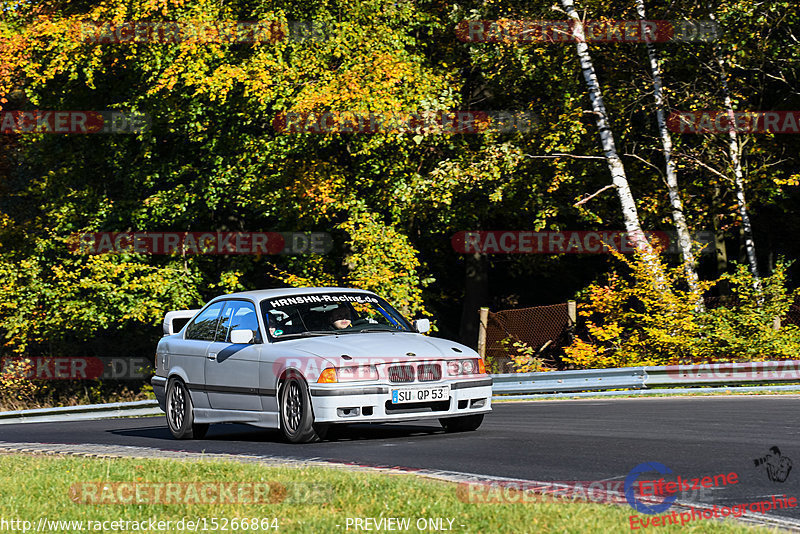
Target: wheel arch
[(290, 372), (178, 372)]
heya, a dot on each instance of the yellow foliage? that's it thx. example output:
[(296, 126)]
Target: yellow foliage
[(631, 322)]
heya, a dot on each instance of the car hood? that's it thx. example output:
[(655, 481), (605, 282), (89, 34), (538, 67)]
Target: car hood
[(381, 347)]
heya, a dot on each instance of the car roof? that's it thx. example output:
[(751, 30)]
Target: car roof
[(261, 294)]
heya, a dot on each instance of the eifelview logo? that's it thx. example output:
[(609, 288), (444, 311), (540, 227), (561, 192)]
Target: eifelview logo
[(630, 488), (668, 489)]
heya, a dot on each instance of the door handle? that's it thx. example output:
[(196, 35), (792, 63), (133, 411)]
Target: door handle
[(212, 356)]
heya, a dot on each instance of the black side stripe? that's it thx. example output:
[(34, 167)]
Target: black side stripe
[(237, 390), (232, 389)]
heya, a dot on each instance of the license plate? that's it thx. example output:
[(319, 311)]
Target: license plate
[(432, 394)]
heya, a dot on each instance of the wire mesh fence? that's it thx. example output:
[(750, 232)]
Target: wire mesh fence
[(792, 315), (544, 329)]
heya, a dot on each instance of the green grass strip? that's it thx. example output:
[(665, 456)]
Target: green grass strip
[(34, 486)]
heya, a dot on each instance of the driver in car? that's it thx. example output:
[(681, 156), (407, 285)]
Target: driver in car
[(339, 318)]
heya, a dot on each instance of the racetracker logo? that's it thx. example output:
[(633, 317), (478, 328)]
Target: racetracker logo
[(508, 492), (421, 122), (602, 491), (94, 493), (73, 122), (194, 243), (353, 368), (747, 371), (577, 242), (215, 31), (595, 31), (76, 368), (700, 122)]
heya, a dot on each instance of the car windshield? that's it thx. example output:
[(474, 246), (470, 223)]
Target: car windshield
[(330, 313)]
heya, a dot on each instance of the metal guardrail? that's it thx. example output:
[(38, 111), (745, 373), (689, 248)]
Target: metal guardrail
[(532, 385), (561, 381), (83, 412), (723, 373)]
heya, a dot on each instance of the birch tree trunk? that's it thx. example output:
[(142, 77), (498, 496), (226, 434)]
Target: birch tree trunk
[(619, 179), (735, 153), (676, 204)]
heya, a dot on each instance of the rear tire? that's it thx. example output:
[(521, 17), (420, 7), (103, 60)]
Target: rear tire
[(296, 415), (180, 412), (464, 423)]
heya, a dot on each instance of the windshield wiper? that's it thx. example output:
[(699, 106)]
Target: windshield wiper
[(308, 333)]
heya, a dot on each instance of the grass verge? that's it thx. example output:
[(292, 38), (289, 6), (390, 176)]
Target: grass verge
[(312, 499)]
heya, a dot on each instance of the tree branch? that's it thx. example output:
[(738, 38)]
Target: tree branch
[(646, 163), (715, 171), (590, 197), (562, 155)]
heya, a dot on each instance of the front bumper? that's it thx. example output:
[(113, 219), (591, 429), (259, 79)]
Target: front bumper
[(337, 403)]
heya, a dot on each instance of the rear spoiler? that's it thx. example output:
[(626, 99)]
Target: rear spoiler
[(171, 317)]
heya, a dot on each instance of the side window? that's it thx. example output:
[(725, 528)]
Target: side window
[(224, 324), (283, 321), (204, 326), (238, 315)]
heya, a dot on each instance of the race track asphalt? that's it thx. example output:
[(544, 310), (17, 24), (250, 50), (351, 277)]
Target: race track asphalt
[(568, 440)]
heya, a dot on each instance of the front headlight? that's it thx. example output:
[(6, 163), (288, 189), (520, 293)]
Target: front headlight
[(466, 367), (348, 374), (356, 373)]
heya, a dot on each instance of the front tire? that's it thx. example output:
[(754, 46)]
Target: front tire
[(464, 423), (297, 417), (180, 412)]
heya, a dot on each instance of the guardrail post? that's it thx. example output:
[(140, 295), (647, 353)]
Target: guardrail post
[(483, 315), (572, 319)]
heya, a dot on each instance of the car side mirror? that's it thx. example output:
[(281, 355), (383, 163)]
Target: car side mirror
[(241, 336), (422, 325)]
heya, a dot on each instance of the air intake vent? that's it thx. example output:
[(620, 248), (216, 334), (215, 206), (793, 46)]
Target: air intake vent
[(401, 373), (429, 371)]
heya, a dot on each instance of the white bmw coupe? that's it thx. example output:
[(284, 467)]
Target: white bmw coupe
[(304, 359)]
